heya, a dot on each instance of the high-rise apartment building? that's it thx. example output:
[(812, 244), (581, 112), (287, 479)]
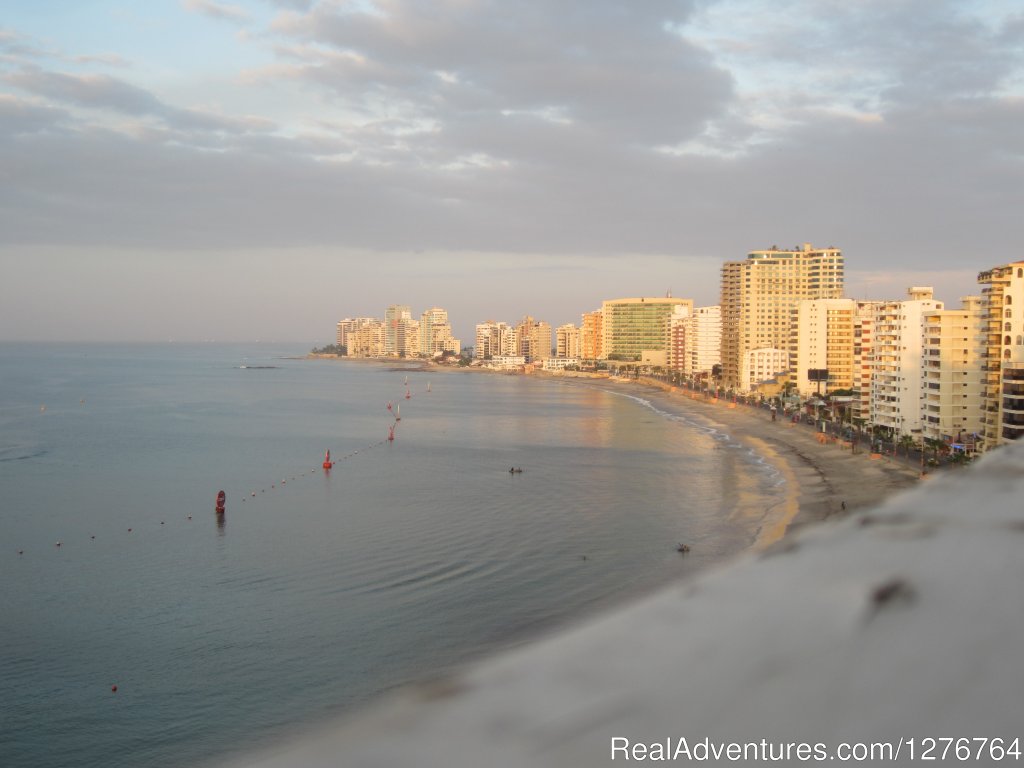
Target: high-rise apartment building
[(758, 299), (393, 315), (435, 334), (1003, 356), (896, 371), (631, 327), (592, 336), (695, 341), (534, 338), (366, 339), (705, 352), (347, 325), (823, 332), (495, 340), (567, 341), (952, 377), (863, 348)]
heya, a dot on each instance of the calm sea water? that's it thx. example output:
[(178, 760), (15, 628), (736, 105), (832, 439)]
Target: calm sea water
[(322, 589)]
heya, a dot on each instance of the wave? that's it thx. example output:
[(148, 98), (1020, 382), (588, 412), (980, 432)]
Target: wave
[(21, 453), (716, 433)]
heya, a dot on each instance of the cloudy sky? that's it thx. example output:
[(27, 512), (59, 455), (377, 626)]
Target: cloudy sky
[(259, 169)]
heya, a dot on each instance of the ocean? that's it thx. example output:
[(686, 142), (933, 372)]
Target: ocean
[(315, 591)]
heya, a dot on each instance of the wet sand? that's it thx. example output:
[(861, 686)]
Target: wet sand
[(822, 475)]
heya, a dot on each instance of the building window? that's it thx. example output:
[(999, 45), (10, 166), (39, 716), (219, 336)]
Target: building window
[(1008, 313)]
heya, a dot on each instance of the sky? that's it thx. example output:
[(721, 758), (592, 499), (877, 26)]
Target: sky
[(259, 169)]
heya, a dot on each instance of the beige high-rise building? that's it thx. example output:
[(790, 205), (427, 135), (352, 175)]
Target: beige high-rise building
[(407, 338), (863, 348), (758, 299), (534, 338), (567, 341), (631, 327), (951, 385), (393, 315), (592, 336), (824, 341), (1003, 356), (896, 372), (366, 339), (435, 334), (347, 325), (495, 340)]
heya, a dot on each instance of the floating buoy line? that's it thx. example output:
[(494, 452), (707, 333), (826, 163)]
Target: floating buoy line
[(220, 502)]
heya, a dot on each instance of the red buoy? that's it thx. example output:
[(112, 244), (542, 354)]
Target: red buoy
[(221, 498), (113, 688), (327, 460)]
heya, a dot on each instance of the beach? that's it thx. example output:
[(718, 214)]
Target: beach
[(825, 478)]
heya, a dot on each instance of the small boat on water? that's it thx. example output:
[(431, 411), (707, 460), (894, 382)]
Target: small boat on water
[(683, 548), (221, 500), (398, 412)]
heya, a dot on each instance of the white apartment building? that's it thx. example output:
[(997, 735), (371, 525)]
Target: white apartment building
[(824, 340), (507, 362), (493, 339), (706, 332), (567, 341), (951, 394), (759, 365), (758, 299), (695, 340), (1003, 357), (559, 363), (896, 373)]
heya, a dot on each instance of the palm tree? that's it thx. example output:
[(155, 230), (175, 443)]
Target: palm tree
[(906, 442)]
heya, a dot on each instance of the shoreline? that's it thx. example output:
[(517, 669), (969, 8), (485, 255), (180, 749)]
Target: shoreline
[(823, 480)]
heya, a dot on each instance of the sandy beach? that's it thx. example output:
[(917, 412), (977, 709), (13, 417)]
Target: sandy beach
[(825, 478)]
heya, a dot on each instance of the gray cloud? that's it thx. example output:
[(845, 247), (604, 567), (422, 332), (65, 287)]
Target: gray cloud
[(18, 116), (221, 11), (93, 91), (534, 128)]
